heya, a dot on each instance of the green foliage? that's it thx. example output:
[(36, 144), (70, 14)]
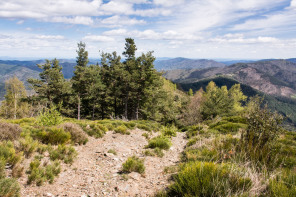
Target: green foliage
[(50, 117), (95, 130), (133, 164), (112, 151), (9, 188), (9, 131), (9, 154), (170, 131), (122, 130), (62, 152), (208, 179), (77, 134), (28, 145), (284, 184), (53, 135), (158, 151), (161, 142), (39, 174)]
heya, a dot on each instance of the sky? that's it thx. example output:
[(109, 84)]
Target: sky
[(211, 29)]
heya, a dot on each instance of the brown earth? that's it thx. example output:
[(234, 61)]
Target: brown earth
[(96, 172)]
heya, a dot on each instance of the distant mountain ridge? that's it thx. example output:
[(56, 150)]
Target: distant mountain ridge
[(185, 63), (276, 77)]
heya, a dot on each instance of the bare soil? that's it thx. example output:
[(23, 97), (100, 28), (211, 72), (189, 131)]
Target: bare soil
[(96, 172)]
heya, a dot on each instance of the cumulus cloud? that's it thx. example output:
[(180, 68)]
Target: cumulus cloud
[(240, 39)]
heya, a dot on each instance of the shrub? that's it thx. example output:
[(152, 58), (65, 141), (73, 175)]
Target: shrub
[(28, 145), (39, 174), (8, 153), (50, 117), (112, 151), (17, 171), (148, 153), (9, 131), (158, 152), (122, 130), (159, 142), (169, 131), (65, 153), (53, 136), (195, 130), (146, 135), (229, 127), (9, 188), (77, 133), (130, 125), (94, 130), (191, 141), (208, 179), (133, 164), (143, 127)]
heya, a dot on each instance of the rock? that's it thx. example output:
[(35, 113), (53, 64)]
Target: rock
[(49, 195), (134, 175)]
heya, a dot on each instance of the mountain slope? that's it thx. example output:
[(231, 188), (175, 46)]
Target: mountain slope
[(285, 106), (184, 63), (276, 77)]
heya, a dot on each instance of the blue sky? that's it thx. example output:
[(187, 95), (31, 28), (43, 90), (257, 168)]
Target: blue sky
[(235, 29)]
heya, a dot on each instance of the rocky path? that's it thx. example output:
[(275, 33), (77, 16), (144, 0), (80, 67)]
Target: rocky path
[(95, 172)]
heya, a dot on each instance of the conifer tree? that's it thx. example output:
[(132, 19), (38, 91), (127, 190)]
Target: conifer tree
[(78, 80)]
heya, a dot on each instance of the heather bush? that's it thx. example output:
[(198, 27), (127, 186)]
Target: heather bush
[(8, 153), (9, 131), (28, 145), (9, 187), (77, 133), (53, 135), (50, 117), (209, 179), (133, 164), (122, 130), (62, 152), (159, 142), (169, 131)]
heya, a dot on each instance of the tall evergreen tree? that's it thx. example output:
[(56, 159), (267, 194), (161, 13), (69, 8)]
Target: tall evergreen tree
[(52, 86), (78, 80)]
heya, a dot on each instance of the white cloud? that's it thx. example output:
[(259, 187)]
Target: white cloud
[(117, 20), (240, 39), (98, 38), (50, 37), (78, 20)]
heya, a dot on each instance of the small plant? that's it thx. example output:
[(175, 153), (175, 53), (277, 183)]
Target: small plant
[(28, 145), (9, 188), (158, 152), (65, 153), (122, 130), (50, 117), (17, 171), (39, 174), (112, 151), (146, 135), (133, 164), (159, 142), (77, 134), (143, 127), (95, 130), (169, 131), (9, 131), (8, 153)]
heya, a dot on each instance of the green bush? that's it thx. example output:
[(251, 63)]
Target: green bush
[(9, 131), (144, 127), (77, 133), (130, 125), (62, 152), (169, 131), (122, 130), (146, 135), (28, 145), (208, 179), (133, 164), (9, 188), (40, 174), (158, 152), (8, 153), (53, 136), (95, 130), (50, 117), (229, 127), (112, 151), (195, 130), (159, 142)]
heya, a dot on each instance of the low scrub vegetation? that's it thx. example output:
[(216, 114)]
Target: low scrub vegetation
[(133, 164), (9, 131), (160, 142)]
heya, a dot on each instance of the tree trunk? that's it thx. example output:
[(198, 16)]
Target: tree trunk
[(78, 113), (15, 105), (93, 112), (125, 106)]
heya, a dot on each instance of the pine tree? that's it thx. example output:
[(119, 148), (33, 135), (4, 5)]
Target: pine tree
[(52, 88), (78, 80)]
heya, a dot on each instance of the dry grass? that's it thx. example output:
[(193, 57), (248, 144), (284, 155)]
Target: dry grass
[(9, 131)]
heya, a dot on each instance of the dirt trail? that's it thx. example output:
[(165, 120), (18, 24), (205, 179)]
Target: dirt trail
[(95, 172)]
